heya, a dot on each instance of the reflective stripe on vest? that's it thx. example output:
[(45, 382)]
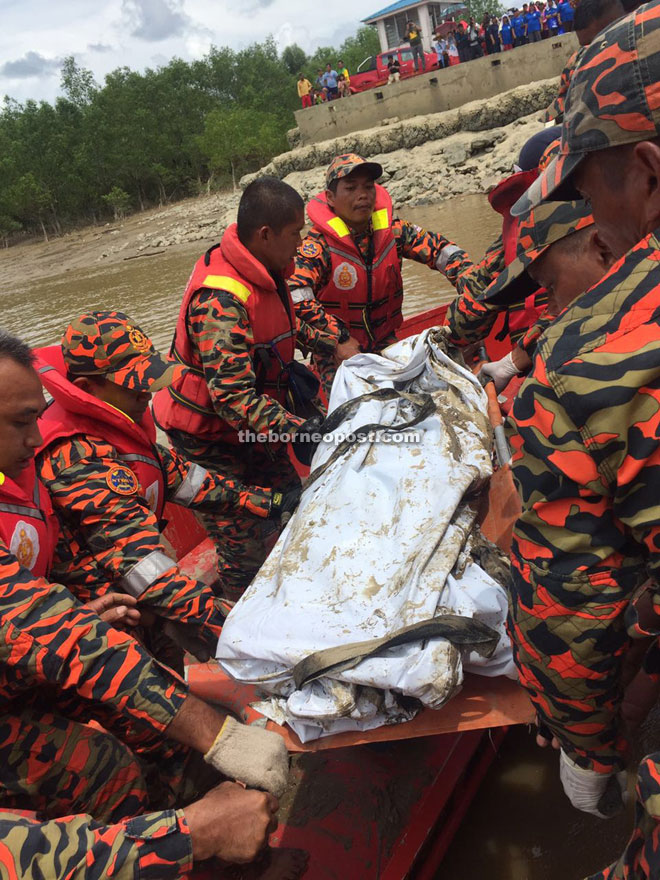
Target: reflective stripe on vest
[(186, 406), (22, 511), (28, 526), (134, 456), (368, 284), (226, 282), (339, 227)]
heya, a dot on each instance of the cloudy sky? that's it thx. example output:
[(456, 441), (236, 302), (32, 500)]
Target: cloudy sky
[(37, 34)]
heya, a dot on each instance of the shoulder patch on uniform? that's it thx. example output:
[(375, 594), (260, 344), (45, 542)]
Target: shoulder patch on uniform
[(310, 249), (122, 480)]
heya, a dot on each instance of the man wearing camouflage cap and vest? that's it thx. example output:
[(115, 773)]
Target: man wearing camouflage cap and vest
[(60, 664), (108, 481), (347, 281), (470, 316), (559, 250), (587, 422), (237, 332)]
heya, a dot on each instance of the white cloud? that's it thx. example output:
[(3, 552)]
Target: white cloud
[(155, 20), (114, 33), (32, 64)]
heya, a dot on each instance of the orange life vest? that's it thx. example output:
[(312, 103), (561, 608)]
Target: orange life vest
[(502, 199), (186, 405), (365, 295), (73, 411), (28, 525)]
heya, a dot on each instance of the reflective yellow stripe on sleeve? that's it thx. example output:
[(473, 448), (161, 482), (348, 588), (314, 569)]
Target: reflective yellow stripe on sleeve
[(226, 282), (379, 220), (339, 227)]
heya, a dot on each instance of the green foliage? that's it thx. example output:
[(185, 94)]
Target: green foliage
[(294, 59), (236, 139), (140, 139), (119, 200), (7, 226), (477, 8), (77, 83)]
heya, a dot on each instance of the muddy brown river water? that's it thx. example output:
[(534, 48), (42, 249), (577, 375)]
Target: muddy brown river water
[(520, 826)]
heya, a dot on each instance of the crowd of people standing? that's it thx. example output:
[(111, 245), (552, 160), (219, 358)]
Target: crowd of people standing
[(531, 24), (454, 42), (329, 85)]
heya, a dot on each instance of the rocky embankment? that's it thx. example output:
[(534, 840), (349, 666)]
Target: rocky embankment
[(425, 159), (437, 155)]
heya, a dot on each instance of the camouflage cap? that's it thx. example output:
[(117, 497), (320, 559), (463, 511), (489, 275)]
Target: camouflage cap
[(538, 230), (109, 344), (613, 99), (342, 166)]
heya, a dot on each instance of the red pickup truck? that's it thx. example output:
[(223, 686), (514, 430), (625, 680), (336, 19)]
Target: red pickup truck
[(373, 70)]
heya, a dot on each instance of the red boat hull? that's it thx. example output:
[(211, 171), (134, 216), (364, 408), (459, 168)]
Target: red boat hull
[(385, 804)]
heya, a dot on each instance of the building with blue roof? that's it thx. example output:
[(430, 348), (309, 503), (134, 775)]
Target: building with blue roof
[(390, 22)]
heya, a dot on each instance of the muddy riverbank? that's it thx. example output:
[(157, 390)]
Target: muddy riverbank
[(44, 284)]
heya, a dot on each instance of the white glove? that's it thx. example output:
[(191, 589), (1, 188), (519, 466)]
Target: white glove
[(502, 371), (251, 755), (585, 788)]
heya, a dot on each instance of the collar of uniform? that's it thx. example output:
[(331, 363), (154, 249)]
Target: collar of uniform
[(246, 265)]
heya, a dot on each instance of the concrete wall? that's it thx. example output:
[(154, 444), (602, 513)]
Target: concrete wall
[(437, 91)]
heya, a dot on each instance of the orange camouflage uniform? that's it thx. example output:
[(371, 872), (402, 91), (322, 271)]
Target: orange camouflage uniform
[(555, 112), (471, 316), (220, 330), (53, 647), (105, 534), (586, 455), (312, 274), (641, 857)]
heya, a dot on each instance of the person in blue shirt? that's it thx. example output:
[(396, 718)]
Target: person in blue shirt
[(552, 18), (330, 82), (533, 23), (566, 15), (506, 33), (518, 24)]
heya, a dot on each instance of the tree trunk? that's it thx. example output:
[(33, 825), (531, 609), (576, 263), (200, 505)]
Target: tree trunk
[(43, 228), (209, 183), (233, 176)]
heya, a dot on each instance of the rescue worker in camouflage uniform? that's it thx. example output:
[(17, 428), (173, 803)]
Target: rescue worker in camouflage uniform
[(347, 280), (54, 649), (558, 249), (108, 481), (586, 448), (591, 17), (237, 333), (471, 318)]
